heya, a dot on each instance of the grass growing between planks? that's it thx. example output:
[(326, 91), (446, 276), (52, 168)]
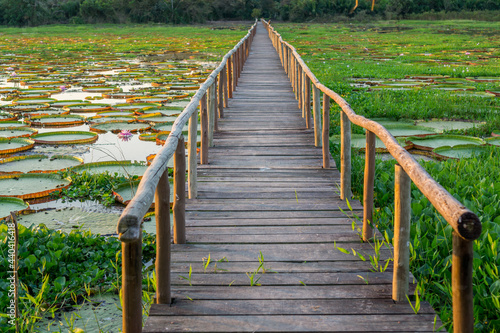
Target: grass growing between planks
[(338, 53)]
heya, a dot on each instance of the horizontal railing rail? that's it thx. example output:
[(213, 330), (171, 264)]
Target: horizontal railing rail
[(466, 224), (210, 98)]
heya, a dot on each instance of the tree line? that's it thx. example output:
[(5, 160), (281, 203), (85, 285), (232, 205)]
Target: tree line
[(40, 12)]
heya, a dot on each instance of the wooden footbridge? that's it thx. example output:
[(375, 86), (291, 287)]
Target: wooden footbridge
[(260, 243)]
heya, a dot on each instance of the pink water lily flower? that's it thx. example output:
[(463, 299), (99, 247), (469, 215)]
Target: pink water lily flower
[(125, 135), (63, 88), (13, 74)]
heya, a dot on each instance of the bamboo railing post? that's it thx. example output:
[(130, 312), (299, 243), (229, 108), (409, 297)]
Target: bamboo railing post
[(317, 116), (461, 284), (179, 207), (204, 130), (402, 217), (220, 104), (326, 131), (230, 77), (192, 156), (368, 186), (235, 72), (163, 239), (225, 85), (307, 101), (301, 89), (132, 286), (345, 156), (211, 114), (216, 107)]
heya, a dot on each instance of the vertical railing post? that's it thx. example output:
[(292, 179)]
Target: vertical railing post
[(402, 216), (368, 186), (179, 206), (220, 95), (235, 72), (345, 156), (211, 114), (307, 100), (192, 156), (461, 285), (204, 130), (132, 286), (317, 116), (163, 239), (216, 106), (225, 85), (301, 89), (230, 77), (326, 131)]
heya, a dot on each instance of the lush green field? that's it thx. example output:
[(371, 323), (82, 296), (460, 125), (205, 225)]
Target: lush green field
[(381, 51)]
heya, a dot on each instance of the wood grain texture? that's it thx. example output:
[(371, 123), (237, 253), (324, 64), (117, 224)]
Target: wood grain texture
[(266, 200)]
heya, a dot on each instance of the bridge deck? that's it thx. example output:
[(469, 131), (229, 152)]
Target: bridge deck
[(264, 194)]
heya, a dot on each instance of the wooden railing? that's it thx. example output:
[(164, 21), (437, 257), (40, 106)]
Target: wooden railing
[(217, 89), (466, 224)]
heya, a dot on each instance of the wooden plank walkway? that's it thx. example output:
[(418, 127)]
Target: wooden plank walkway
[(265, 192)]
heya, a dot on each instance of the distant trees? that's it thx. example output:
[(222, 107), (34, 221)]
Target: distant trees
[(39, 12)]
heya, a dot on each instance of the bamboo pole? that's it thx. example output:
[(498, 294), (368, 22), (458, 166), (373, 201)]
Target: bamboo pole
[(461, 284), (368, 186), (230, 76), (317, 116), (162, 213), (132, 286), (192, 156), (326, 131), (216, 108), (220, 95), (300, 92), (345, 157), (179, 207), (402, 217), (211, 114), (204, 130), (307, 101), (235, 72), (225, 85)]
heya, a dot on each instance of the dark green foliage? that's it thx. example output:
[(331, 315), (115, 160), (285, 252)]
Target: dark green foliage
[(38, 12), (76, 264)]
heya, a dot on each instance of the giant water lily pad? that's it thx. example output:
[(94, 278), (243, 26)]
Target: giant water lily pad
[(11, 204), (56, 120), (63, 103), (104, 119), (33, 100), (157, 118), (71, 218), (435, 141), (65, 137), (409, 130), (26, 107), (125, 192), (117, 126), (5, 124), (11, 146), (38, 163), (31, 185), (461, 151), (359, 141), (493, 140), (87, 107), (122, 168), (166, 110), (448, 125), (134, 106), (16, 132), (7, 116)]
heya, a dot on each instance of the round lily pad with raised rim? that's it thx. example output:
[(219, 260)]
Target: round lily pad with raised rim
[(483, 79), (121, 95), (7, 116), (157, 118), (495, 133), (134, 106), (65, 137), (11, 204), (10, 123), (16, 132), (115, 113), (147, 136), (494, 92), (165, 110), (31, 185), (101, 89), (359, 141), (446, 125), (495, 140), (443, 140), (61, 104), (33, 100), (124, 192), (409, 130), (103, 119), (38, 163), (87, 107), (56, 120), (122, 168), (16, 145), (148, 99), (118, 126), (460, 151), (26, 107)]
